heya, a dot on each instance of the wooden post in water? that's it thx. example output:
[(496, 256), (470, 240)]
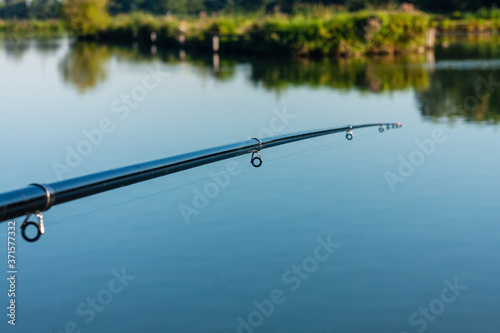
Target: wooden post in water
[(215, 43), (430, 41), (153, 38), (182, 40), (430, 57), (430, 38), (216, 62), (182, 34)]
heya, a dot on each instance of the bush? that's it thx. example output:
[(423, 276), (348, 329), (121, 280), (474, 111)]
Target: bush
[(139, 26), (86, 17), (29, 27), (343, 34)]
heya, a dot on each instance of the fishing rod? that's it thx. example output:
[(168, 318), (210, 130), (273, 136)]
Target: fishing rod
[(37, 198)]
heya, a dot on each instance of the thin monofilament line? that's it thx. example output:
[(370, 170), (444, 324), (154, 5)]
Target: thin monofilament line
[(40, 197)]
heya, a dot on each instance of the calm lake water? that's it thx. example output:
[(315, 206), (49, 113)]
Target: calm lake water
[(392, 232)]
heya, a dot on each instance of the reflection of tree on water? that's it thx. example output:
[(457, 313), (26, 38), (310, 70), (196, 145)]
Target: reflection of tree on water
[(19, 47), (16, 50), (468, 47), (85, 65), (364, 74), (440, 91), (473, 95), (47, 46), (464, 85)]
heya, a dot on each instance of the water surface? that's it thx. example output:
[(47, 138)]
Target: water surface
[(409, 211)]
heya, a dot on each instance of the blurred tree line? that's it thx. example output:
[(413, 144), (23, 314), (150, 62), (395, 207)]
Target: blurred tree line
[(35, 9), (40, 9)]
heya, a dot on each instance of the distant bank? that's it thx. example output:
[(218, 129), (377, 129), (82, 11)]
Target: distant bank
[(343, 34)]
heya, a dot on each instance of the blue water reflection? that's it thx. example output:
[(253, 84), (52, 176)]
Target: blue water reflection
[(406, 221)]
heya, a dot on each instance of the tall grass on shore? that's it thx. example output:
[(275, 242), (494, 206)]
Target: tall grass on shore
[(139, 27), (339, 34), (309, 31), (27, 28), (343, 34), (484, 20)]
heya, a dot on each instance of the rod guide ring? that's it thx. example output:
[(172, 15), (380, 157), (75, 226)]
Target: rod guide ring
[(260, 144), (349, 135), (256, 160), (39, 227), (48, 195)]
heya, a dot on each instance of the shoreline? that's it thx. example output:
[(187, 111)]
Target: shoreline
[(341, 35)]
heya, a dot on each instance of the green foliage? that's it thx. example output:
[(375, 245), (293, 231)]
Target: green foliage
[(174, 6), (316, 10), (457, 9), (86, 17), (345, 74), (309, 29), (45, 9), (26, 28), (15, 10), (338, 33), (481, 21), (85, 65), (122, 6), (139, 26), (342, 34)]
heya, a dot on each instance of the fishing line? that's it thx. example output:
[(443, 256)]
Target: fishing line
[(330, 144), (36, 198)]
